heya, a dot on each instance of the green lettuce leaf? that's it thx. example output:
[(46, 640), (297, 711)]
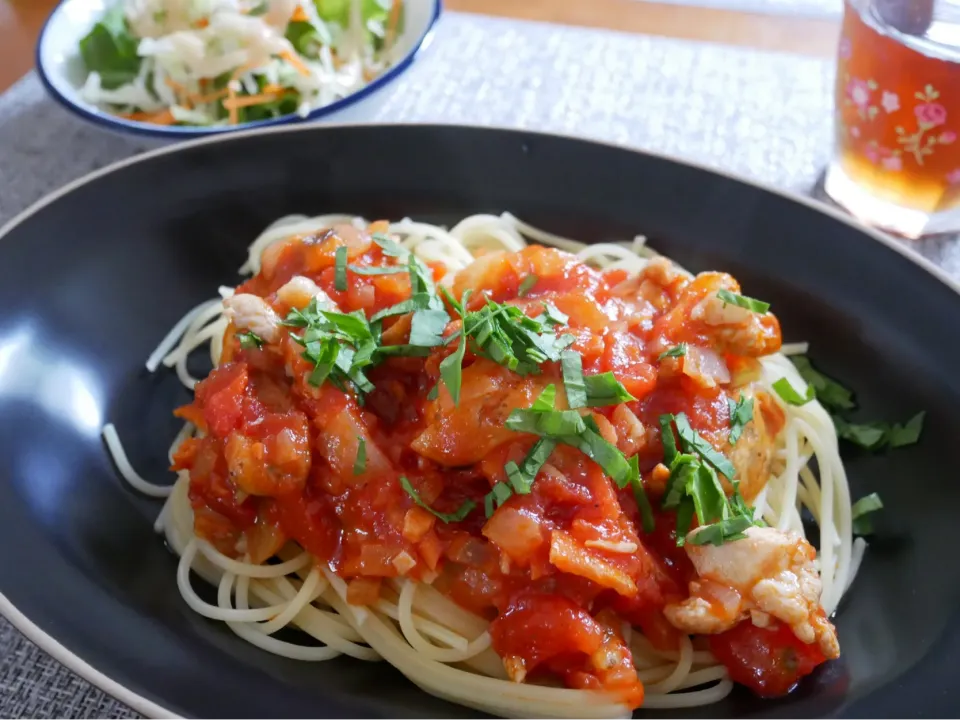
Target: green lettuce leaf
[(111, 50)]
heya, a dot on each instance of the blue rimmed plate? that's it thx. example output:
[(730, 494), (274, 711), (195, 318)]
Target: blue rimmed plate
[(62, 71)]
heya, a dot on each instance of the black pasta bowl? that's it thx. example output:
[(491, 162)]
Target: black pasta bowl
[(96, 274)]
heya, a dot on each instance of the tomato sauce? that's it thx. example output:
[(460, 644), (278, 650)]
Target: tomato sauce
[(555, 570)]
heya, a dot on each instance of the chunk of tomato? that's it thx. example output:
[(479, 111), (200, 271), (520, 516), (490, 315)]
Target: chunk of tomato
[(221, 395), (770, 661)]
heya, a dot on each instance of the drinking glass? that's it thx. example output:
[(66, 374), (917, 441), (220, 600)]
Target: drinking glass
[(896, 162)]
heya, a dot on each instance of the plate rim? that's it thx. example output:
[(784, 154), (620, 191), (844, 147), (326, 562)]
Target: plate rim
[(183, 133), (72, 660)]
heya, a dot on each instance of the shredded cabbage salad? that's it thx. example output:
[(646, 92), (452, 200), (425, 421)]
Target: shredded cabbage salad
[(227, 62)]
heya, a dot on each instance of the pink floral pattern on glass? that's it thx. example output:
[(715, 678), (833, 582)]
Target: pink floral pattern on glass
[(953, 177), (929, 114), (890, 102), (860, 95)]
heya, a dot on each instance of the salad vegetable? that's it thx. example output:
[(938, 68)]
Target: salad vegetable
[(227, 62)]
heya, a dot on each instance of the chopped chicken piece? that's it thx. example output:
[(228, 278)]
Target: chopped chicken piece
[(768, 573), (298, 291), (752, 455), (251, 312)]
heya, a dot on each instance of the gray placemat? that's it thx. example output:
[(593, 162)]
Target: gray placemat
[(762, 115)]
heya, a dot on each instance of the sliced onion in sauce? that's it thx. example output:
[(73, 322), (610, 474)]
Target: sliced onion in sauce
[(705, 366)]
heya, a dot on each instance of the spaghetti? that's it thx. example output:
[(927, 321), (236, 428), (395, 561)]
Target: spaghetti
[(444, 648)]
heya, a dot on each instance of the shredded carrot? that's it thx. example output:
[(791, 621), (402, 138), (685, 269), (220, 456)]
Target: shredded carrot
[(162, 117), (183, 95), (234, 116), (299, 15), (230, 102), (234, 103), (272, 88), (201, 23), (393, 20), (209, 97), (296, 62), (174, 84)]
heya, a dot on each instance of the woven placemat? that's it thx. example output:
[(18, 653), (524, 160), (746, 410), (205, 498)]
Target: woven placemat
[(762, 115)]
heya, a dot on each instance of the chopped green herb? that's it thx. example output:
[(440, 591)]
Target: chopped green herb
[(388, 245), (726, 530), (693, 443), (590, 390), (421, 279), (682, 470), (547, 399), (250, 340), (571, 366), (553, 315), (389, 270), (694, 488), (604, 389), (570, 428), (829, 392), (420, 301), (873, 436), (460, 514), (549, 423), (790, 396), (668, 439), (497, 496), (869, 436), (741, 412), (427, 326), (403, 351), (505, 335), (451, 367), (709, 499), (749, 303), (521, 476), (527, 285), (340, 269), (340, 345), (739, 505), (907, 434), (640, 496), (833, 395), (676, 351), (862, 523), (685, 513), (360, 464), (454, 303), (606, 455)]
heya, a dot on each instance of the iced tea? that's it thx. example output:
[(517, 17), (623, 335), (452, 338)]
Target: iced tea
[(897, 159)]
